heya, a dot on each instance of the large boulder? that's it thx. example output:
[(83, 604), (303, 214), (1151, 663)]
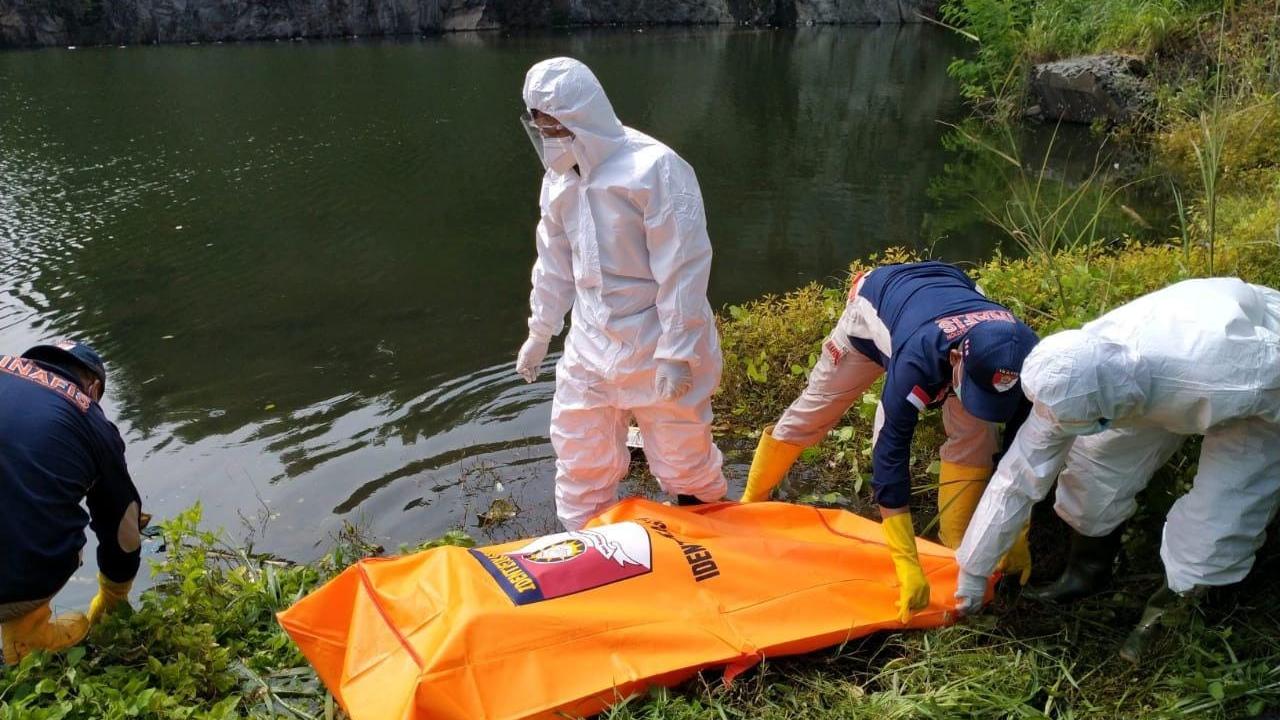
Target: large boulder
[(1113, 88)]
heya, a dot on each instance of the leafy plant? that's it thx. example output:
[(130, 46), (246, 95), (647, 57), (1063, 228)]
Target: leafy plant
[(203, 643), (994, 73)]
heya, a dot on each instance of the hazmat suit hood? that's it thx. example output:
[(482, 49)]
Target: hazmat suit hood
[(567, 90), (1084, 382)]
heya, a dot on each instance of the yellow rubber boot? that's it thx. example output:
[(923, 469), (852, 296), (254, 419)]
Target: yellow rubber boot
[(772, 460), (36, 631), (110, 595), (959, 490), (1018, 560), (913, 592)]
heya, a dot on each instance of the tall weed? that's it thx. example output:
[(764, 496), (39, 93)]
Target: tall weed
[(1045, 216)]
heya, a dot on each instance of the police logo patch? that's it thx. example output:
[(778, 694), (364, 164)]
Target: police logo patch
[(1004, 380), (559, 552), (566, 563)]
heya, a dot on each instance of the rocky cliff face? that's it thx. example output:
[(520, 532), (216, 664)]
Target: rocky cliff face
[(32, 23)]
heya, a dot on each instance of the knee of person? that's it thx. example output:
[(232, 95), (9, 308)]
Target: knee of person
[(795, 433), (1089, 522), (674, 453), (588, 473), (702, 476), (715, 489), (574, 512), (968, 451)]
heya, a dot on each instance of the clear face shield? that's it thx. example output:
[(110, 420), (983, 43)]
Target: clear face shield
[(551, 140)]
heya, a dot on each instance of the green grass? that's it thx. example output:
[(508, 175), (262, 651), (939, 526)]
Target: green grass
[(1176, 37), (1023, 661)]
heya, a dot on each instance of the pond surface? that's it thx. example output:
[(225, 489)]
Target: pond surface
[(307, 264)]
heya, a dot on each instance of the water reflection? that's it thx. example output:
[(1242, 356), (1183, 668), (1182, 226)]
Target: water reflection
[(308, 265)]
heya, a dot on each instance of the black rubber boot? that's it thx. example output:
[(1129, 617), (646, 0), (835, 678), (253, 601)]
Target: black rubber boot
[(1165, 608), (687, 500), (1089, 568)]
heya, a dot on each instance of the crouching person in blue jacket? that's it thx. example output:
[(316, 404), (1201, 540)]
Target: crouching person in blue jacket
[(938, 342), (57, 448)]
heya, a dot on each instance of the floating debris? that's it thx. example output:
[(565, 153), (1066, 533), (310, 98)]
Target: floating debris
[(500, 511)]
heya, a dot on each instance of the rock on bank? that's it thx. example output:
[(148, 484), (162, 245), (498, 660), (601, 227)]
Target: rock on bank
[(34, 23)]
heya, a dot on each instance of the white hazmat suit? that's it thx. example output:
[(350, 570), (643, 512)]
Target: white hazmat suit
[(1115, 399), (623, 241)]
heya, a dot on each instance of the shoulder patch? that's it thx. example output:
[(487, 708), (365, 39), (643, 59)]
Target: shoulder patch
[(919, 398)]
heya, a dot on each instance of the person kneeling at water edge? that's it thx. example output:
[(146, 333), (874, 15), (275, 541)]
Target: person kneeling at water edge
[(56, 449), (623, 241), (938, 341), (1113, 401)]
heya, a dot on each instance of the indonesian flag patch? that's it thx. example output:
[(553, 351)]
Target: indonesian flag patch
[(1004, 380), (919, 398)]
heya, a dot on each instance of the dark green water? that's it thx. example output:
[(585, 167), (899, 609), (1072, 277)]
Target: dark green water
[(307, 264)]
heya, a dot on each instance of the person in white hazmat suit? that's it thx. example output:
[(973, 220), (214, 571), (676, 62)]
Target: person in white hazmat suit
[(623, 242), (1112, 402)]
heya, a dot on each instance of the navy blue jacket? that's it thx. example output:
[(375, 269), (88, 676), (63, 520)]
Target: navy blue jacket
[(927, 308), (57, 448)]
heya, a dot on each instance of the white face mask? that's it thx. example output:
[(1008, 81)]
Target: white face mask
[(558, 153)]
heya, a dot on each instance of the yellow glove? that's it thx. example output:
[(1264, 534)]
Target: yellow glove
[(914, 588), (1018, 560), (110, 594)]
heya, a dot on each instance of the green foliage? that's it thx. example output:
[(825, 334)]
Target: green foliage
[(455, 538), (1229, 155), (1012, 34), (195, 647), (1029, 662), (1061, 28), (768, 347), (994, 72)]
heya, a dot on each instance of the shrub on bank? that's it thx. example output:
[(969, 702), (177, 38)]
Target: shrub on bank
[(770, 344), (1183, 41)]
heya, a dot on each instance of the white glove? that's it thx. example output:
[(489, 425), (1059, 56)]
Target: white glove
[(673, 380), (528, 362), (970, 590)]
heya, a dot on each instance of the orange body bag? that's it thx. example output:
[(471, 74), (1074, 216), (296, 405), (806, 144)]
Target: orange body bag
[(646, 594)]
